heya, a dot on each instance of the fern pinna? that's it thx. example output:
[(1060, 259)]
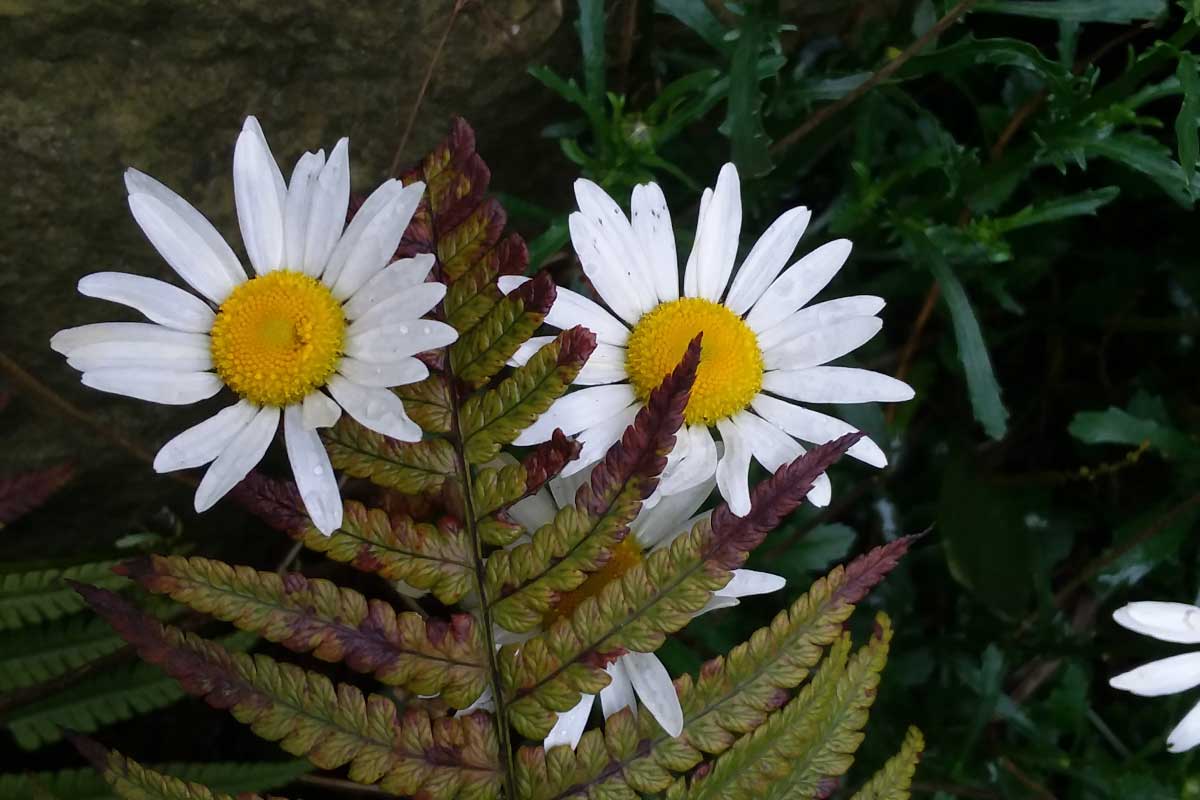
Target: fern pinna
[(463, 699)]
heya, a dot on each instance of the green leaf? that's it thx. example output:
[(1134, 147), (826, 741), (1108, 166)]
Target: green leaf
[(408, 467), (1135, 151), (28, 598), (1117, 426), (744, 121), (591, 41), (1120, 12), (37, 654), (893, 781), (698, 18), (86, 784), (814, 552), (969, 53), (1083, 204), (1187, 124)]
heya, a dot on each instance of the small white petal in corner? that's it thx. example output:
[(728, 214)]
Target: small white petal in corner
[(314, 474), (243, 452), (155, 385), (376, 408), (159, 301), (570, 725), (746, 582), (202, 443), (653, 685), (319, 410), (619, 692)]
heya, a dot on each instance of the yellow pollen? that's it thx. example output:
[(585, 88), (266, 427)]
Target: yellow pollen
[(731, 365), (278, 337), (625, 556)]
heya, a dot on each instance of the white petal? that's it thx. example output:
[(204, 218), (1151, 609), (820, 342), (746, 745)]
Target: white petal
[(534, 511), (652, 227), (376, 245), (260, 196), (564, 487), (319, 410), (387, 343), (159, 301), (836, 385), (70, 340), (597, 439), (406, 589), (822, 345), (377, 202), (202, 443), (570, 725), (1170, 622), (485, 702), (733, 470), (1187, 733), (773, 448), (609, 272), (244, 451), (608, 218), (297, 207), (185, 249), (818, 316), (167, 356), (716, 602), (155, 385), (653, 685), (691, 274), (767, 259), (140, 183), (411, 304), (1165, 676), (528, 349), (822, 491), (375, 408), (798, 284), (697, 464), (314, 474), (327, 211), (812, 426), (619, 692), (389, 373), (746, 582), (578, 410), (396, 279), (670, 516), (571, 309), (606, 364), (717, 237)]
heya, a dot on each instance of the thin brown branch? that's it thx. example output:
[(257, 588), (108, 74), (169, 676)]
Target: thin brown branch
[(884, 73)]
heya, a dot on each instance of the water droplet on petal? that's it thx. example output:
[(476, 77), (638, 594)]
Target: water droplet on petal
[(318, 471)]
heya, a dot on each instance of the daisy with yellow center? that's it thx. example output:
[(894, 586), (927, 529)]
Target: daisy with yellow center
[(328, 322), (763, 357)]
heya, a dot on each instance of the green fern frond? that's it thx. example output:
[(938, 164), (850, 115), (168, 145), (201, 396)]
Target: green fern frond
[(86, 784), (308, 715), (36, 654), (335, 624), (408, 467), (28, 598), (485, 347), (423, 555), (428, 403), (893, 781)]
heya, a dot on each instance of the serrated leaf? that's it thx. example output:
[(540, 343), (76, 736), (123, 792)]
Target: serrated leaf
[(424, 656), (29, 598), (483, 349), (36, 654), (427, 403), (893, 781), (20, 494), (408, 467), (308, 715)]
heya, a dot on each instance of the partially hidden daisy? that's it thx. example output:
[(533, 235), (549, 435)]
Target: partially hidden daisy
[(321, 326), (634, 676), (1168, 622), (764, 353)]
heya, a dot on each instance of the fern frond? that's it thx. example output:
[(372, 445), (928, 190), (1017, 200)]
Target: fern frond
[(334, 624), (495, 417), (548, 459), (428, 403), (36, 654), (580, 538), (436, 558), (308, 715), (485, 347), (20, 494), (893, 781), (28, 598), (656, 597), (86, 784), (131, 781), (408, 467)]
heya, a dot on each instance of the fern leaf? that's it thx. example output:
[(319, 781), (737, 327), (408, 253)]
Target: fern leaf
[(428, 403), (424, 556), (28, 598), (308, 715), (656, 597), (335, 624), (131, 781), (20, 494), (893, 781), (495, 417), (580, 538), (37, 654), (484, 348), (408, 467), (548, 459), (86, 784), (275, 502)]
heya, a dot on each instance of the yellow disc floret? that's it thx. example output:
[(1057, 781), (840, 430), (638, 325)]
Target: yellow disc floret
[(625, 556), (731, 365), (278, 337)]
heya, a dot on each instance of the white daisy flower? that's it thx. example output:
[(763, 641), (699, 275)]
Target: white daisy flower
[(321, 327), (1168, 622), (764, 349), (635, 676)]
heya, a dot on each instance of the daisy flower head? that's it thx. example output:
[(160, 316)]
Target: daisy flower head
[(765, 349), (319, 327), (1168, 622), (633, 676)]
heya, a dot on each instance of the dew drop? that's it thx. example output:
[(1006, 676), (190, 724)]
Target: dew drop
[(318, 471)]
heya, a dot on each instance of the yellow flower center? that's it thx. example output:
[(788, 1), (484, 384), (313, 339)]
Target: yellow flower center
[(278, 337), (731, 365), (625, 556)]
